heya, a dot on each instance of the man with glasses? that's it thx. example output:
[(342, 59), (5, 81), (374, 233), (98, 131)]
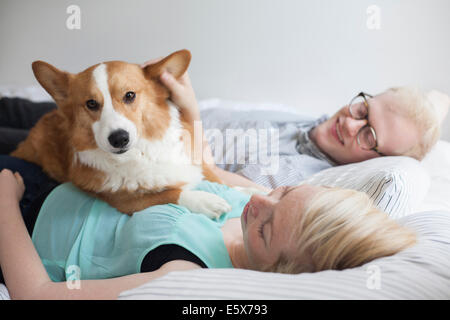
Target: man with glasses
[(349, 136), (401, 121)]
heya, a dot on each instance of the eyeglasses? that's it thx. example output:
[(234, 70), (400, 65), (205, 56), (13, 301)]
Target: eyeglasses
[(359, 110)]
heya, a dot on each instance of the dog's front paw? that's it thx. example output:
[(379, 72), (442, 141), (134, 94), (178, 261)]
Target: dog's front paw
[(207, 203)]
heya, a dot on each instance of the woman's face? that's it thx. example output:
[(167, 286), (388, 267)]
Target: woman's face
[(268, 222)]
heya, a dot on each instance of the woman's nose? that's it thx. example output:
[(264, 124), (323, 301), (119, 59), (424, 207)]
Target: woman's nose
[(260, 204), (352, 126)]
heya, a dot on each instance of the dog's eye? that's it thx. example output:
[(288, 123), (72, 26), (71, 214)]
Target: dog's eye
[(92, 105), (129, 97)]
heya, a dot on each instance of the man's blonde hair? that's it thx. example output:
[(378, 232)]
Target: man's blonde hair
[(339, 229), (414, 104)]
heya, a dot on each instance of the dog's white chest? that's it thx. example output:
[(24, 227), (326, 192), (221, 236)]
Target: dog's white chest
[(149, 165)]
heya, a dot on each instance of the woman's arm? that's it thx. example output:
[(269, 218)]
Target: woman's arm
[(104, 289), (24, 273)]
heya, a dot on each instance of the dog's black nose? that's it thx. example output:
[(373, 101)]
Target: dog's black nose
[(119, 138)]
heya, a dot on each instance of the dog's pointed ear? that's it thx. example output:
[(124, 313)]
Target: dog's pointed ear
[(53, 80), (176, 64)]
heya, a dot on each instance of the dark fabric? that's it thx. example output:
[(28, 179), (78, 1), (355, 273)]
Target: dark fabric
[(37, 187), (17, 117), (165, 253), (18, 113), (10, 139)]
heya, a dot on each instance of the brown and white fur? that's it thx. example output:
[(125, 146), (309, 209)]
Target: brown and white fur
[(151, 165)]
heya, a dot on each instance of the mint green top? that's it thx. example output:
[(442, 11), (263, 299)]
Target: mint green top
[(75, 230)]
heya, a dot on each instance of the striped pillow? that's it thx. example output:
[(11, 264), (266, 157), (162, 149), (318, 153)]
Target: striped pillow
[(397, 185)]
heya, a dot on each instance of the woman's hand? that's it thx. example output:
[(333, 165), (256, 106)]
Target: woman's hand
[(181, 92), (11, 187)]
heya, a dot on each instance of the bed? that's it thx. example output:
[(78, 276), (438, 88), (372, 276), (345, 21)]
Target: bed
[(415, 193)]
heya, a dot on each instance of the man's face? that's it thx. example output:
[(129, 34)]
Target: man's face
[(395, 133)]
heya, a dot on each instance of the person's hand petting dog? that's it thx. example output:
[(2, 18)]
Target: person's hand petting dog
[(183, 96), (181, 92), (12, 188)]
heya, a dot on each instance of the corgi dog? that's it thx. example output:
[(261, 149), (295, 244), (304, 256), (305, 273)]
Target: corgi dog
[(116, 136)]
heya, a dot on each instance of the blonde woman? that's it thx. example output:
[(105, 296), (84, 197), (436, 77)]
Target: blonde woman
[(83, 249)]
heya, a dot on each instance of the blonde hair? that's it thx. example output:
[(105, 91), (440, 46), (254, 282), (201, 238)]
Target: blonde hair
[(415, 105), (340, 229)]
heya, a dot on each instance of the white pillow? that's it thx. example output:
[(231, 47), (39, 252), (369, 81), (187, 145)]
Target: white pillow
[(437, 164), (397, 185)]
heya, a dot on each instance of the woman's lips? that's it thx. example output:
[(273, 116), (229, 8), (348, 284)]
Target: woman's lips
[(244, 213)]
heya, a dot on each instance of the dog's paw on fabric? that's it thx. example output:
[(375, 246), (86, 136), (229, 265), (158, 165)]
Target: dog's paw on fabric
[(203, 202)]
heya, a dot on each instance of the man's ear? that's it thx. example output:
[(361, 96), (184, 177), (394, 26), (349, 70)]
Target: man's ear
[(53, 80), (176, 64)]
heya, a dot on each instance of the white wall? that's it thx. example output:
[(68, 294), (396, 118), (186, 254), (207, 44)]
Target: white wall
[(311, 54)]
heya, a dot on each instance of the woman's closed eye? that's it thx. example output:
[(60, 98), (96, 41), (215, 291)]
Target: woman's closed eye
[(261, 231), (286, 190)]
